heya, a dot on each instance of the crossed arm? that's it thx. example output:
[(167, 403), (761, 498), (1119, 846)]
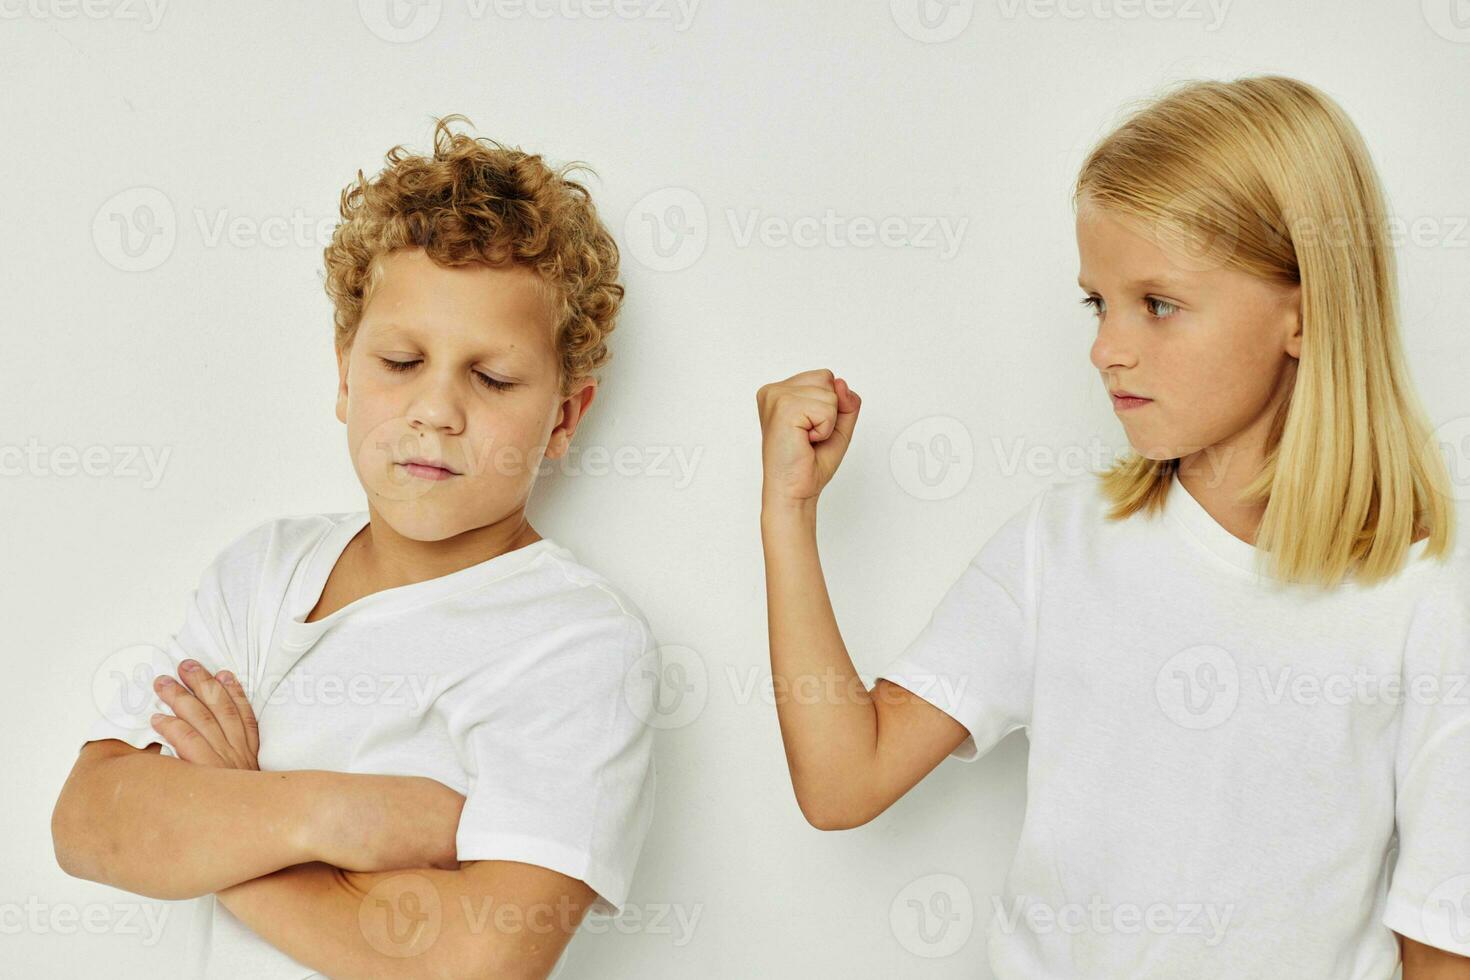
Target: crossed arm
[(352, 875)]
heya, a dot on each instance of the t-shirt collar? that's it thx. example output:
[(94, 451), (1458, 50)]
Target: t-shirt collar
[(1181, 506), (308, 591)]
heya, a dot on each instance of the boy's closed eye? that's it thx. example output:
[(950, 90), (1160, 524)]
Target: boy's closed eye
[(485, 379)]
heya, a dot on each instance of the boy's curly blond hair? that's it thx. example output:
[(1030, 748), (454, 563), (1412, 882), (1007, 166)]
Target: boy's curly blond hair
[(475, 200)]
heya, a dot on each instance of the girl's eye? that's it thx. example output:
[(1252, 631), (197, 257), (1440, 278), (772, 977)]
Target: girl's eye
[(484, 379), (1158, 308), (1164, 307)]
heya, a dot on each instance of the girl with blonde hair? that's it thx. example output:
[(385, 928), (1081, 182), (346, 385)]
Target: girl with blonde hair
[(1240, 653)]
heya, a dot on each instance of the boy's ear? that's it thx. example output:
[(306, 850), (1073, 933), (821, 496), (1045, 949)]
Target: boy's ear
[(573, 410), (342, 356)]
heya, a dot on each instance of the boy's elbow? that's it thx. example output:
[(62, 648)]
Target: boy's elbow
[(83, 850), (831, 817), (483, 957), (69, 841)]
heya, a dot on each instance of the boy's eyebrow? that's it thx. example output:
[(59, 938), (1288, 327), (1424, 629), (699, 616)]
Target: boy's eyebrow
[(490, 351)]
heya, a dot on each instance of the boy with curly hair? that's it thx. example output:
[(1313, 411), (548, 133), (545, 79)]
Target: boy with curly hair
[(410, 740)]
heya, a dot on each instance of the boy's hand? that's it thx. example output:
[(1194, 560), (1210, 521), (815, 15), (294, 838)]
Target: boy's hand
[(212, 722), (806, 426)]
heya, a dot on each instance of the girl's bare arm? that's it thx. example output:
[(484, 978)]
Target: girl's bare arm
[(851, 752)]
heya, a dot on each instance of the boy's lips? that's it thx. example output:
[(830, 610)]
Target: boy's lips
[(429, 469)]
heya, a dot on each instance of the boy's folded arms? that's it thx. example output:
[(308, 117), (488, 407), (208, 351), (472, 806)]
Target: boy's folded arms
[(175, 830)]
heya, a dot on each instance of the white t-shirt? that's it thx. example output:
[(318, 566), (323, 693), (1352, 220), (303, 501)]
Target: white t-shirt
[(1218, 761), (523, 682)]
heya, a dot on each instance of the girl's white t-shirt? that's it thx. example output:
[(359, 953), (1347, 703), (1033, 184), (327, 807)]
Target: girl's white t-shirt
[(1222, 765), (526, 682)]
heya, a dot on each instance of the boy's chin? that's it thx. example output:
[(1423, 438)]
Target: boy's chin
[(421, 519)]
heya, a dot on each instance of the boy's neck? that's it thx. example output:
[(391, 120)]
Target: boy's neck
[(388, 559)]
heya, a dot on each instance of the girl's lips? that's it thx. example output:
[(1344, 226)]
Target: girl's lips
[(427, 472), (1125, 403)]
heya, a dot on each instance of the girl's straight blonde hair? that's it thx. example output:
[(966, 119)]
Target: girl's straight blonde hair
[(1268, 175)]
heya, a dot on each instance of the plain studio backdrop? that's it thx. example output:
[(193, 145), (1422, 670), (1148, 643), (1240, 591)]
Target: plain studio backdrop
[(880, 189)]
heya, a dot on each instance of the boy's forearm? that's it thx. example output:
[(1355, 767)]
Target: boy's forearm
[(384, 925), (828, 721), (169, 829)]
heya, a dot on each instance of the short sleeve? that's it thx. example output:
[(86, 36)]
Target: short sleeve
[(122, 686), (974, 658), (1429, 894), (561, 769)]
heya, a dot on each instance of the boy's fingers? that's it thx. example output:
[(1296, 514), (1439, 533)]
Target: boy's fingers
[(186, 705), (237, 694), (187, 743), (219, 702)]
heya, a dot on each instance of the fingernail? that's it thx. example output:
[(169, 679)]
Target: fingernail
[(156, 719), (163, 682), (190, 665), (225, 677)]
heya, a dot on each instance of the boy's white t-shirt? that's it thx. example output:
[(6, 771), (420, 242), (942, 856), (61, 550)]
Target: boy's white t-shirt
[(1221, 765), (525, 682)]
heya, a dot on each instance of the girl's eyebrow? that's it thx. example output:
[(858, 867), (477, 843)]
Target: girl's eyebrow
[(1148, 283)]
